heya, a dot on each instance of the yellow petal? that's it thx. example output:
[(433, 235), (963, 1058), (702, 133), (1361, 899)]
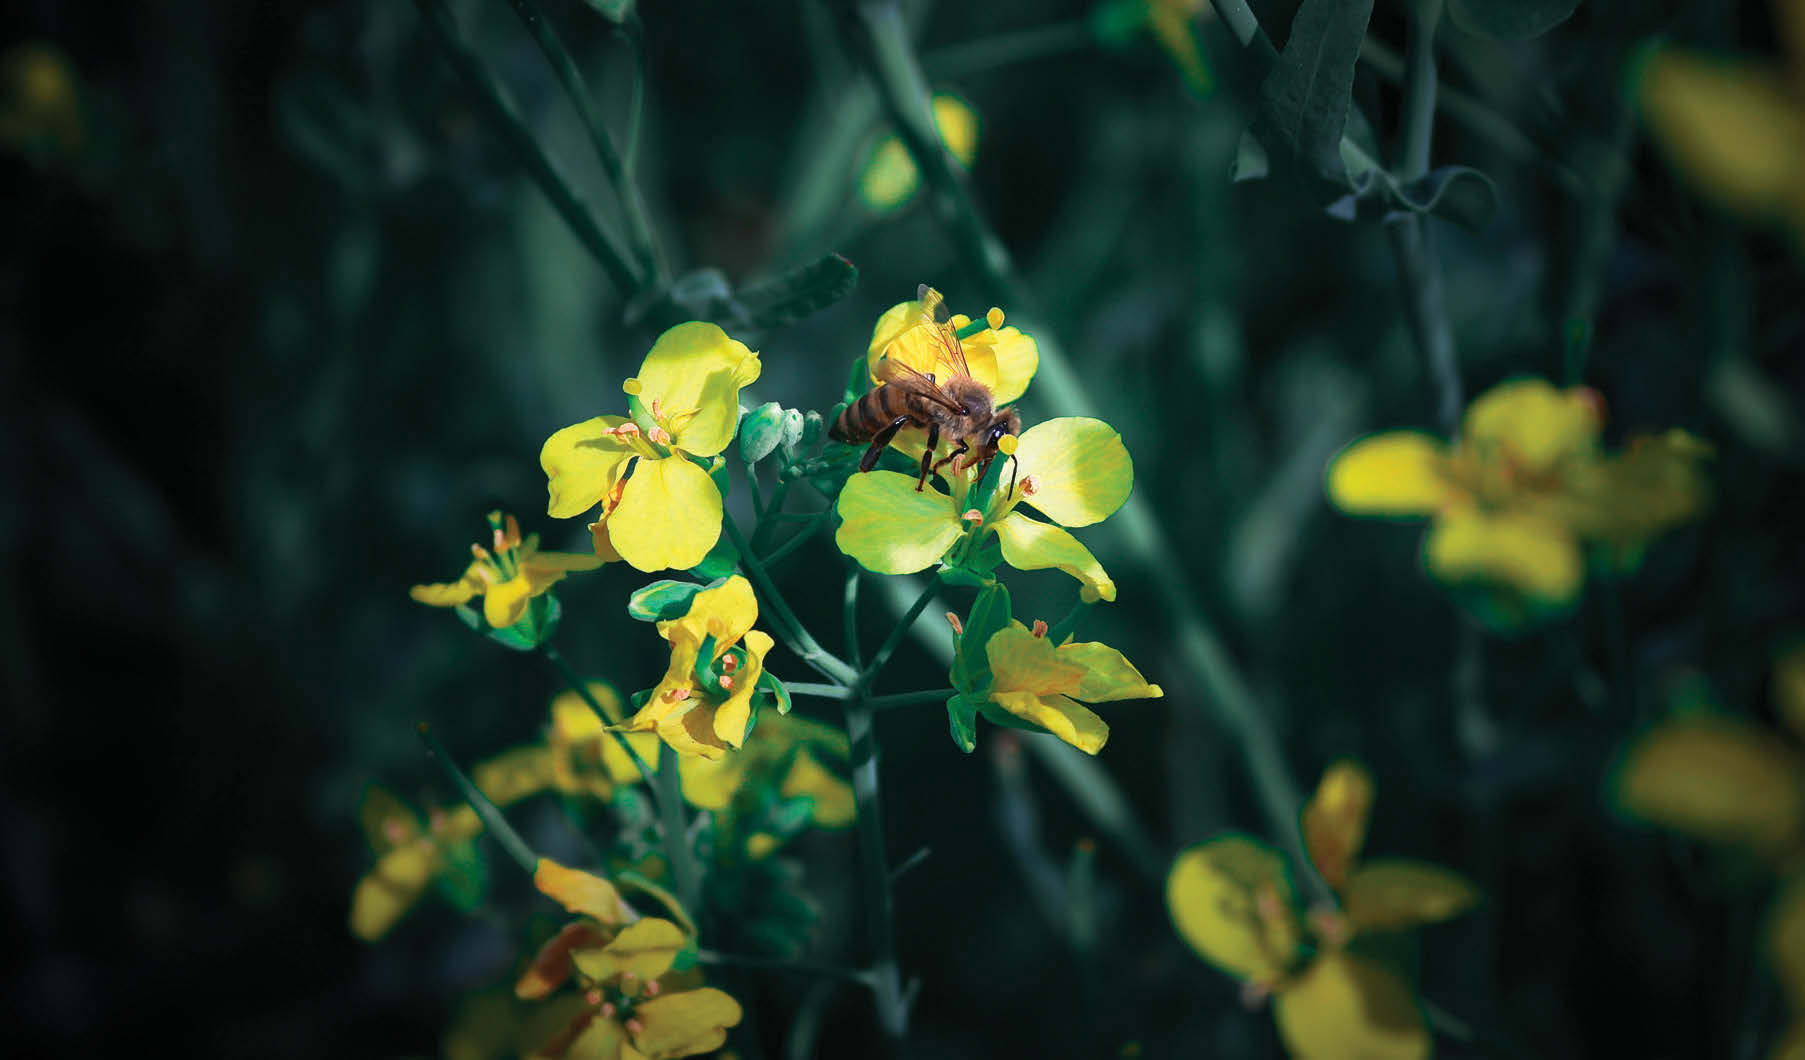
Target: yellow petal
[(505, 604), (834, 805), (1347, 1008), (619, 764), (514, 775), (1079, 468), (550, 967), (725, 612), (1530, 424), (733, 714), (1532, 555), (1396, 473), (760, 845), (1732, 127), (1023, 662), (1108, 675), (685, 1024), (890, 177), (890, 528), (1394, 893), (669, 515), (1786, 943), (1715, 778), (1334, 820), (582, 462), (581, 892), (544, 569), (392, 888), (1063, 717), (1791, 1045), (644, 948), (1031, 545), (449, 594), (1213, 893), (695, 372), (572, 719), (1013, 359), (601, 1038), (710, 784), (958, 125), (1171, 24)]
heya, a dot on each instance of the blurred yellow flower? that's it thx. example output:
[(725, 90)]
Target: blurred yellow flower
[(704, 703), (1232, 900), (409, 859), (585, 757), (1075, 470), (1174, 25), (507, 578), (659, 509), (40, 100), (1042, 684), (1526, 485), (634, 1006), (890, 177), (1736, 128), (793, 744)]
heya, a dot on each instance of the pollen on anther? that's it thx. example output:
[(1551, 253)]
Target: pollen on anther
[(635, 1027), (953, 621), (1040, 627), (729, 663), (652, 988), (1029, 486), (608, 1010), (594, 997), (994, 318), (659, 435), (677, 695), (726, 682), (972, 515)]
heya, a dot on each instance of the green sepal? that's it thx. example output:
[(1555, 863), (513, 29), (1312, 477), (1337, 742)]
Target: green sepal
[(962, 720), (663, 600), (722, 560), (687, 957), (1510, 19), (543, 613), (465, 881), (760, 431), (989, 613), (962, 577), (768, 682)]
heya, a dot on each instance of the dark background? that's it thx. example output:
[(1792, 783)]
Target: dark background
[(288, 320)]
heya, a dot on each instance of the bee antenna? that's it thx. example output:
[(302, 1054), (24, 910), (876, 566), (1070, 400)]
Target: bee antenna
[(1015, 468)]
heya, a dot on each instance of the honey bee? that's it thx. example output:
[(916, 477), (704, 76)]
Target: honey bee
[(960, 409)]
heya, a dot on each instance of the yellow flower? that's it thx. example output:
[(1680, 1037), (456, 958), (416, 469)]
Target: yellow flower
[(659, 509), (704, 703), (507, 578), (1074, 470), (634, 1006), (793, 744), (1041, 684), (890, 177), (409, 859), (585, 757), (40, 101), (1000, 357), (1736, 128), (1173, 23), (1232, 901), (1514, 499)]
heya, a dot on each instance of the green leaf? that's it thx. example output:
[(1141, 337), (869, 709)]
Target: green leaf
[(1510, 19), (768, 682), (722, 560), (1306, 97), (760, 431), (662, 600), (989, 613), (800, 292), (962, 718)]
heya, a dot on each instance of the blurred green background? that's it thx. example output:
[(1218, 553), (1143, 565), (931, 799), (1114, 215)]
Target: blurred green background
[(284, 319)]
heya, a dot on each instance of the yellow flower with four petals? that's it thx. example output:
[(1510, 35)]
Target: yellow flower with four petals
[(704, 703), (659, 509), (1043, 684), (508, 578)]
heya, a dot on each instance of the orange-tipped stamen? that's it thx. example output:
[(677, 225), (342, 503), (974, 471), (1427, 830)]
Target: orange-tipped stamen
[(1040, 627), (729, 663), (953, 621), (594, 998), (972, 515), (652, 988), (1029, 486), (635, 1027), (659, 436), (608, 1010), (725, 682)]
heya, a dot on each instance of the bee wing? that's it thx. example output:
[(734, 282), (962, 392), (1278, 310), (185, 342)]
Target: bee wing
[(935, 316), (897, 374)]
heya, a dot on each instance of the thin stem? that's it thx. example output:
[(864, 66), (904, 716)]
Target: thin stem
[(803, 688), (491, 815), (581, 688), (634, 31), (639, 227), (796, 541), (1418, 118), (849, 605), (777, 964), (1241, 21), (570, 206), (911, 699), (894, 640), (676, 830), (791, 631), (874, 870), (1006, 49)]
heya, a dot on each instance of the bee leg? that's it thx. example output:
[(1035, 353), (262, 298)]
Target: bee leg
[(928, 454), (961, 451), (878, 442)]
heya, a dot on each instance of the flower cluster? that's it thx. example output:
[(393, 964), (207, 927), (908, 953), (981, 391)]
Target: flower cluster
[(1526, 486), (1233, 902)]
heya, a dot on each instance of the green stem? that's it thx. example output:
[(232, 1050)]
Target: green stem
[(777, 964), (849, 605), (581, 688), (639, 227), (1241, 21), (882, 655), (634, 31), (791, 631), (676, 831), (804, 688), (491, 815), (910, 699), (570, 206), (796, 541), (874, 870), (1006, 49), (1418, 118)]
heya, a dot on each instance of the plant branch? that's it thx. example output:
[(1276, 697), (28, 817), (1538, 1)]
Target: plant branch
[(789, 629)]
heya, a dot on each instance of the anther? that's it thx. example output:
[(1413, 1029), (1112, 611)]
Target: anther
[(677, 695), (659, 435), (627, 981), (726, 682), (635, 1027), (1254, 993), (652, 988), (972, 515), (953, 621), (394, 829), (625, 430), (594, 998), (1007, 444), (729, 663), (481, 553), (1040, 627), (608, 1010), (1029, 486)]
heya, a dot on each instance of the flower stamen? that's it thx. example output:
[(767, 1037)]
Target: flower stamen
[(953, 621)]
